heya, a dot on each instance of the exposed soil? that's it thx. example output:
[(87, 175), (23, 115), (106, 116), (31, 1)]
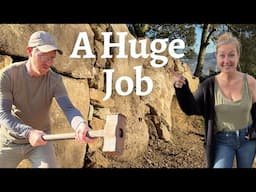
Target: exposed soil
[(186, 151)]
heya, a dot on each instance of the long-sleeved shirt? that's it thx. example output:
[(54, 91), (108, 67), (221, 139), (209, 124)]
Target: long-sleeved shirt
[(25, 101), (202, 103)]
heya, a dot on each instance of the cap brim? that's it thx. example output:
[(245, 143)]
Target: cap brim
[(48, 48)]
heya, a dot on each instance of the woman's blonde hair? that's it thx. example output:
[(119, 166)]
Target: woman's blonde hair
[(227, 38)]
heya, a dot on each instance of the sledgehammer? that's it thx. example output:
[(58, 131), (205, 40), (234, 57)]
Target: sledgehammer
[(113, 134)]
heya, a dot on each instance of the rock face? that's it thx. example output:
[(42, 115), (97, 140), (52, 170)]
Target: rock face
[(148, 116)]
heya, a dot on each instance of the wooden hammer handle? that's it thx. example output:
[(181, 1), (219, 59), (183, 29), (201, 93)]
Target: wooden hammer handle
[(64, 136), (61, 136)]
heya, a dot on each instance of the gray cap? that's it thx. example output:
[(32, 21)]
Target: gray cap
[(44, 41)]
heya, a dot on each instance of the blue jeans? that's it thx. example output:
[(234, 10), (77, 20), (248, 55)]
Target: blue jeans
[(229, 145)]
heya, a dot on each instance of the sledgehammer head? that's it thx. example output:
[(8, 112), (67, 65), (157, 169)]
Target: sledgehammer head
[(114, 133)]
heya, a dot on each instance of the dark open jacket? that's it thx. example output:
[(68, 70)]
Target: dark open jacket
[(202, 103)]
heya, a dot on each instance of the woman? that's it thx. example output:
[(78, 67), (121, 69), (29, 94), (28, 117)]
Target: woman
[(226, 101)]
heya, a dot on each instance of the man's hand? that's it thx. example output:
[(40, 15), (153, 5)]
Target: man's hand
[(81, 134), (35, 137)]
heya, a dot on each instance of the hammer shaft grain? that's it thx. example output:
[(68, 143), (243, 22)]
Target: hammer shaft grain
[(64, 136)]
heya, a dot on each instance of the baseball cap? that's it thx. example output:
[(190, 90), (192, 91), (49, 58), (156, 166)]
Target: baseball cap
[(44, 41)]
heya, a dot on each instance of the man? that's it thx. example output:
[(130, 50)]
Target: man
[(27, 89)]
